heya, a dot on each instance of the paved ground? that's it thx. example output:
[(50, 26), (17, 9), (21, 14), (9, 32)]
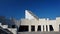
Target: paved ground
[(38, 32)]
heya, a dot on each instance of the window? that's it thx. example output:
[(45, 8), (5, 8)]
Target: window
[(43, 27), (23, 28), (46, 28), (51, 28), (39, 27), (32, 28)]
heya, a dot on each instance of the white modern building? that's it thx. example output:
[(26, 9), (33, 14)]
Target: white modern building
[(32, 23)]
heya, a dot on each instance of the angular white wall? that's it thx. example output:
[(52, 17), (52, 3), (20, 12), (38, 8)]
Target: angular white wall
[(28, 15)]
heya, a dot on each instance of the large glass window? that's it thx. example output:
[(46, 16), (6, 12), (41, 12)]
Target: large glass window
[(51, 28), (39, 27), (32, 28), (23, 28)]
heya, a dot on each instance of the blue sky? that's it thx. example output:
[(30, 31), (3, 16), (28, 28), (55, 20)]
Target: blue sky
[(42, 8)]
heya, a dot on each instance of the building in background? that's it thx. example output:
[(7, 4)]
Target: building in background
[(32, 23)]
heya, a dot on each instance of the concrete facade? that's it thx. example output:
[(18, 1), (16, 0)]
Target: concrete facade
[(31, 19)]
